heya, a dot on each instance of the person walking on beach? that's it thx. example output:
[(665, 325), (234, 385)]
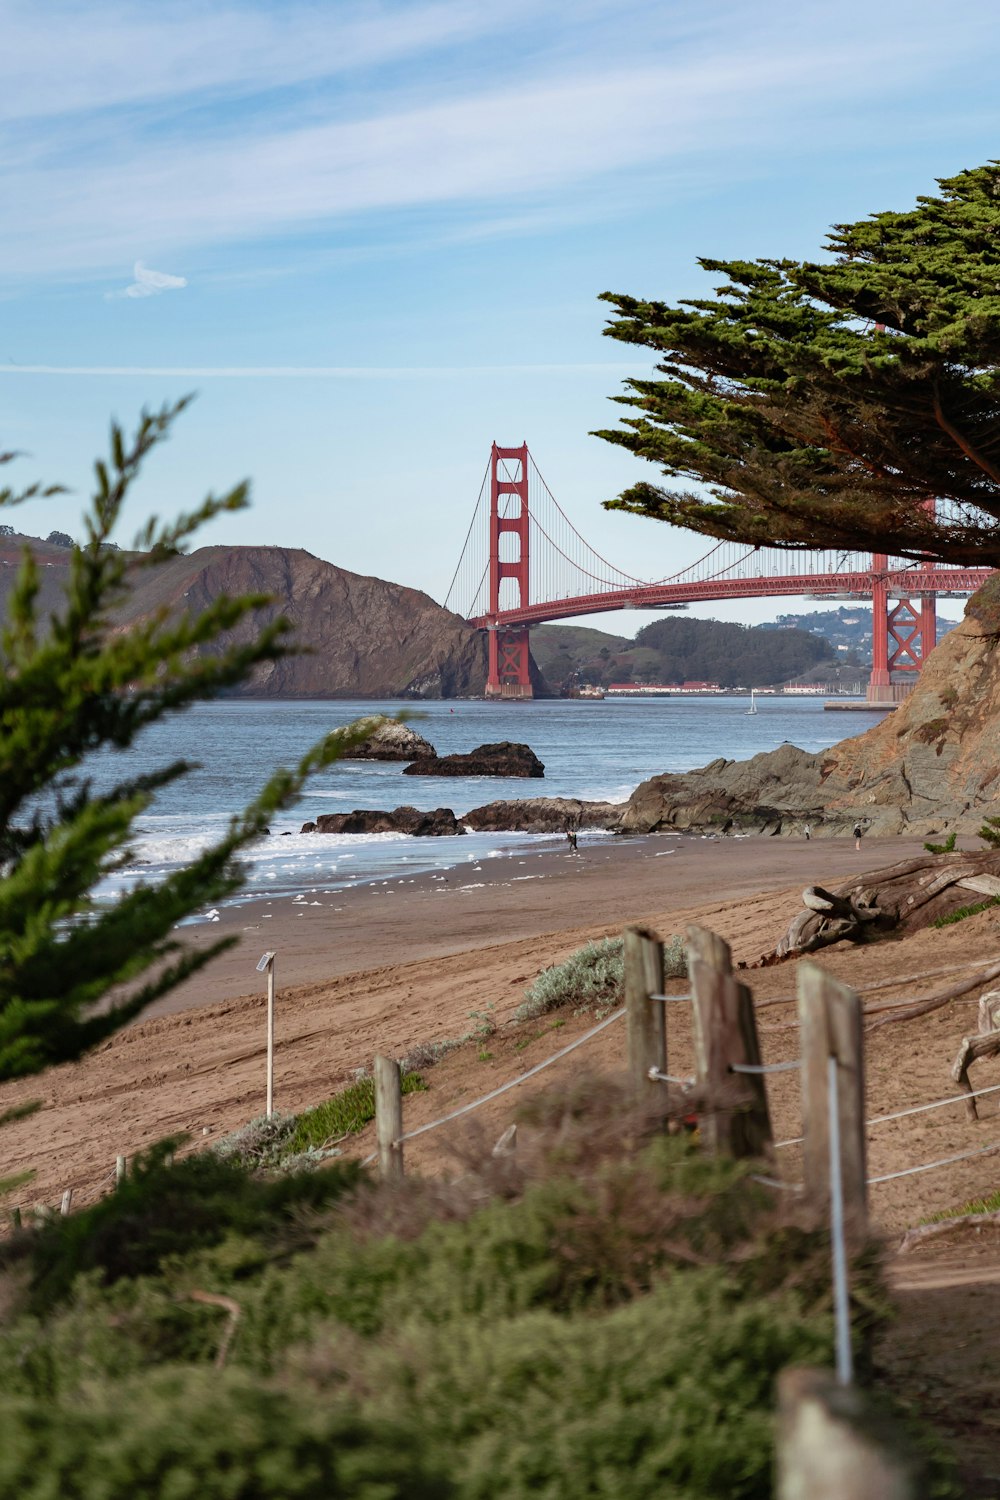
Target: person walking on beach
[(571, 840), (858, 831), (808, 832)]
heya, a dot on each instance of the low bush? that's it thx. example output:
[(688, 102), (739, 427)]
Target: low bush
[(167, 1208), (347, 1112), (593, 978), (193, 1434)]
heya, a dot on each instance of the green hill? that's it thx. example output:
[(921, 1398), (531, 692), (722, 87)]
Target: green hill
[(679, 649)]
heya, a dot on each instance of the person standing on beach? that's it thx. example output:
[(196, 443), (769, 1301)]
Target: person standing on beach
[(571, 840), (808, 832), (858, 831)]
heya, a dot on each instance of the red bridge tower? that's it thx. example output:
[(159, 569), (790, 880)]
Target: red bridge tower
[(510, 663)]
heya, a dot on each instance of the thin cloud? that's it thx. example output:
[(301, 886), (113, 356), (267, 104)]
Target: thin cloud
[(315, 372), (150, 283)]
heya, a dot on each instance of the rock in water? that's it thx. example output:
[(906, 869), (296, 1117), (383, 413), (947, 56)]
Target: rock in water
[(441, 822), (393, 741), (503, 759), (543, 815)]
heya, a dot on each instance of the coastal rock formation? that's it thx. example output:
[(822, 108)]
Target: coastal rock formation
[(543, 815), (930, 767), (439, 823), (502, 759), (392, 741), (761, 795)]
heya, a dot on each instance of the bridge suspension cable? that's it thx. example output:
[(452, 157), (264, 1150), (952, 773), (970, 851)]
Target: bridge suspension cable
[(565, 567)]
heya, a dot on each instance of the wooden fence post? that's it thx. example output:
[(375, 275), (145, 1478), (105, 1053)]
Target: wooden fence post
[(121, 1168), (67, 1202), (389, 1118), (830, 1025), (733, 1112), (833, 1446), (645, 1019)]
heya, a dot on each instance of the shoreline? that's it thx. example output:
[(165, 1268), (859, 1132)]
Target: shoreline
[(527, 894)]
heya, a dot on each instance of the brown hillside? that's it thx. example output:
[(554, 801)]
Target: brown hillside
[(362, 637)]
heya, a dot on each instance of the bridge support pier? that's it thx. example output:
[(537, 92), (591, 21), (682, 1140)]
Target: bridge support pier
[(902, 638), (510, 663)]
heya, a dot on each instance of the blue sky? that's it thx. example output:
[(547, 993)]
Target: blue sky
[(409, 209)]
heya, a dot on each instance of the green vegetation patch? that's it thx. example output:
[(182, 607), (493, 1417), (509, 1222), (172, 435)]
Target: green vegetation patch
[(960, 914), (987, 1205), (593, 978), (166, 1208), (347, 1112)]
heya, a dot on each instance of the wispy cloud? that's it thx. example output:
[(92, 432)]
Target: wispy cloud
[(319, 372), (498, 133), (150, 283)]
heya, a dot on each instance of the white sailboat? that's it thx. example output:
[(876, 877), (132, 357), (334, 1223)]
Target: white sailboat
[(753, 701)]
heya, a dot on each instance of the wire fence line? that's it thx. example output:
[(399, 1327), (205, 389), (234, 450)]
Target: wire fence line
[(512, 1083)]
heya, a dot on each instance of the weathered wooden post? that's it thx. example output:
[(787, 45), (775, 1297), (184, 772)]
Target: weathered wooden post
[(734, 1115), (67, 1202), (645, 1019), (121, 1168), (830, 1025), (832, 1446), (389, 1118)]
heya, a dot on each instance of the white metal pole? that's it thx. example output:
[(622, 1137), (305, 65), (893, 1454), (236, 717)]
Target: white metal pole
[(270, 1039)]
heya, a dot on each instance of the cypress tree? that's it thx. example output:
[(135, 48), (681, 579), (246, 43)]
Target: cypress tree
[(852, 402)]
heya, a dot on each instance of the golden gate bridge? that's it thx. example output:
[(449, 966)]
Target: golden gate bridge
[(524, 563)]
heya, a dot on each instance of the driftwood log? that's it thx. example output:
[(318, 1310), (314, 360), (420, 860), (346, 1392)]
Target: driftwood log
[(899, 898), (985, 1044)]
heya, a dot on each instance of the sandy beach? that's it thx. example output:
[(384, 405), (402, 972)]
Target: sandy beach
[(609, 882), (407, 964)]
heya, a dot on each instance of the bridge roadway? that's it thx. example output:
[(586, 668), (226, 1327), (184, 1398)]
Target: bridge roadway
[(905, 583)]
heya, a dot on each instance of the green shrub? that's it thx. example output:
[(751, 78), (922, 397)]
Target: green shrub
[(345, 1113), (593, 978), (202, 1435), (258, 1144), (670, 1396), (946, 848), (167, 1208)]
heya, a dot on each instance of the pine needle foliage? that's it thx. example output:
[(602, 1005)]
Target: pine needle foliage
[(74, 685), (833, 403)]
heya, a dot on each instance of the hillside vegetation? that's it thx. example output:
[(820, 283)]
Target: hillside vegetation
[(679, 649)]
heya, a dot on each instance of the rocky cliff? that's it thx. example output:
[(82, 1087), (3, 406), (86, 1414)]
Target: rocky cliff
[(362, 637), (932, 766)]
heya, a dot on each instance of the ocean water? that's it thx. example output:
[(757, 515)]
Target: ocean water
[(594, 750)]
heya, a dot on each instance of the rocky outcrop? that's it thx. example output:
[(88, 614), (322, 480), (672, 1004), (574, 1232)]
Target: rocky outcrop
[(437, 824), (543, 815), (502, 759), (764, 795), (930, 767), (393, 741)]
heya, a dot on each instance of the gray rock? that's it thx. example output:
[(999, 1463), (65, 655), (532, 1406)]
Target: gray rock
[(543, 815), (502, 759), (440, 822), (393, 741)]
